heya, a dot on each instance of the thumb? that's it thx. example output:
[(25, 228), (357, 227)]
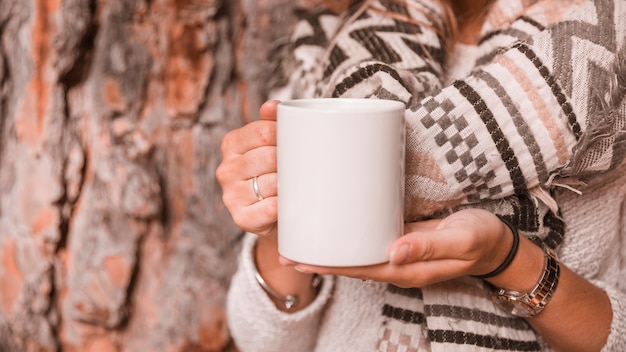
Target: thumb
[(268, 110), (427, 244)]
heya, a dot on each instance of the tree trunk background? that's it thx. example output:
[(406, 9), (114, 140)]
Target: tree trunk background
[(113, 236)]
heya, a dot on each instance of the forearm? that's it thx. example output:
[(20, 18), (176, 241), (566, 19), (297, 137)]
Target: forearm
[(578, 316)]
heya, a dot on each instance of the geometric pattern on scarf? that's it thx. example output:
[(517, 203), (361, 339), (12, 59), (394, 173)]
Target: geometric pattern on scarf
[(471, 122)]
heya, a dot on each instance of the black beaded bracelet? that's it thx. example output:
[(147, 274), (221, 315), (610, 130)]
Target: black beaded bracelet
[(509, 258)]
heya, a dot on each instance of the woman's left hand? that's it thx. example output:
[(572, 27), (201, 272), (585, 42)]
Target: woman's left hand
[(469, 242), (475, 242)]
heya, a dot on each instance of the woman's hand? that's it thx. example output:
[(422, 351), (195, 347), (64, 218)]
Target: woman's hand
[(249, 152), (469, 242)]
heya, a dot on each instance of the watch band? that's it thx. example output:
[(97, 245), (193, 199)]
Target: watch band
[(532, 303)]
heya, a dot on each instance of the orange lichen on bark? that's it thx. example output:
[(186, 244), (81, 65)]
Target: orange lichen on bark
[(101, 343), (189, 65), (11, 277), (186, 160), (181, 184), (45, 218), (30, 122), (118, 269), (113, 96)]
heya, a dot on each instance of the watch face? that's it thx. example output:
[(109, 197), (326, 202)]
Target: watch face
[(516, 308)]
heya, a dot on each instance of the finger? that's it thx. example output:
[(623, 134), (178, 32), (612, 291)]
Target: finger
[(234, 174), (268, 110), (454, 243), (268, 184), (417, 274), (242, 194), (259, 218), (370, 272), (255, 162), (253, 135), (409, 275), (426, 225), (286, 261)]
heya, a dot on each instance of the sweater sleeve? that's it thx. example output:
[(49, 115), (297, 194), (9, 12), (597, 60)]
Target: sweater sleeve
[(394, 51), (517, 124), (617, 295), (255, 322), (617, 336)]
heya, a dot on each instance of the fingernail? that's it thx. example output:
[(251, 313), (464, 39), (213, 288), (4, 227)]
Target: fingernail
[(400, 254)]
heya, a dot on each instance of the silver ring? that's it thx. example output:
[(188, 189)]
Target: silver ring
[(255, 188)]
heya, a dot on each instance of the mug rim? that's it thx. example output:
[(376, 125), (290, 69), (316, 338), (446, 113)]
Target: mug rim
[(343, 104)]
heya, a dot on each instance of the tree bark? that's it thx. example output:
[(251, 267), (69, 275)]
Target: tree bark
[(113, 236)]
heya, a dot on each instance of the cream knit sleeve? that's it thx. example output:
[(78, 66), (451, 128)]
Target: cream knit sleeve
[(595, 242), (254, 321), (617, 336)]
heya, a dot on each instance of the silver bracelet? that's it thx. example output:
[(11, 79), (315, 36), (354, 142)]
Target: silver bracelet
[(290, 300)]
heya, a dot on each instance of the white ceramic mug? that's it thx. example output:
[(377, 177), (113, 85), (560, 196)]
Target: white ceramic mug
[(340, 179)]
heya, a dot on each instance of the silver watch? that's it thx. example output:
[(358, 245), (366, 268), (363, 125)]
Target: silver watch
[(529, 304)]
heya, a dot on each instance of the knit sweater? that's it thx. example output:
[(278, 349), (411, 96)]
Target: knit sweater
[(347, 315), (539, 109)]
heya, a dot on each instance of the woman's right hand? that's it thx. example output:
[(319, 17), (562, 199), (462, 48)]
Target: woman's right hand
[(249, 152)]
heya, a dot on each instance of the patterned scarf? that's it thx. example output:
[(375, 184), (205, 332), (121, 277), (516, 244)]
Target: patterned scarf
[(489, 140)]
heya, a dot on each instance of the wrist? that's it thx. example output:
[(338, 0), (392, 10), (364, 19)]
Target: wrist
[(525, 269), (529, 303), (512, 235), (523, 292), (288, 288)]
